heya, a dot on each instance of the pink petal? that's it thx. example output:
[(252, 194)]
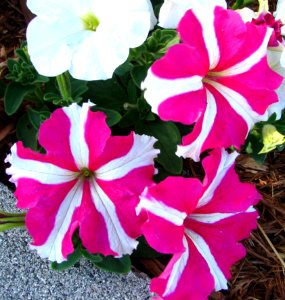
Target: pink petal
[(190, 30), (184, 108), (223, 236), (255, 90), (186, 276), (181, 61), (96, 133), (167, 205), (53, 132)]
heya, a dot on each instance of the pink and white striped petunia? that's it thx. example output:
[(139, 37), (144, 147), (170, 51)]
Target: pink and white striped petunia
[(201, 224), (87, 180), (217, 77)]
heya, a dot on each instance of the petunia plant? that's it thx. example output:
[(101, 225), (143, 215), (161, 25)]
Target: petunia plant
[(114, 98)]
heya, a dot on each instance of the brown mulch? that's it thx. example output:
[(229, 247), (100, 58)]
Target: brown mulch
[(261, 275)]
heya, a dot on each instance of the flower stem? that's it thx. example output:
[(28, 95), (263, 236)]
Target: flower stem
[(64, 86)]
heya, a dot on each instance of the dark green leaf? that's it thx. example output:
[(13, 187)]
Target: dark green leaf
[(124, 68), (14, 96), (95, 258), (106, 93), (113, 117), (116, 265), (37, 117), (72, 259), (26, 132), (138, 74), (130, 118), (168, 137)]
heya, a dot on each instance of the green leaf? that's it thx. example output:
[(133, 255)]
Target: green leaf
[(14, 96), (138, 74), (72, 259), (37, 117), (95, 258), (116, 265), (168, 137), (113, 117), (26, 132), (106, 93), (129, 118)]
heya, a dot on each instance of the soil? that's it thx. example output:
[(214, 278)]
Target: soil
[(261, 275)]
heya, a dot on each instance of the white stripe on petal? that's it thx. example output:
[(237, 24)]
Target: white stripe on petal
[(193, 150), (177, 270), (206, 19), (52, 248), (250, 61), (159, 89), (216, 217), (140, 155), (119, 241), (205, 251), (239, 104), (161, 210), (43, 172), (79, 148), (227, 160)]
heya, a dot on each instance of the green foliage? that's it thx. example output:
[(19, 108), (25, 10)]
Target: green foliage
[(238, 4), (254, 142), (116, 265), (154, 47), (14, 96), (72, 259), (27, 133), (21, 69)]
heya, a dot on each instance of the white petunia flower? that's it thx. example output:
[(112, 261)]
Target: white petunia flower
[(89, 38), (172, 11)]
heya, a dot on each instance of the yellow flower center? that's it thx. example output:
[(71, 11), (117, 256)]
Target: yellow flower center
[(86, 172), (90, 21)]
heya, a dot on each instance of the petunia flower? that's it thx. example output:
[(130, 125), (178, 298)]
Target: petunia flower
[(218, 78), (271, 138), (89, 38), (87, 181), (276, 45), (201, 225), (172, 11)]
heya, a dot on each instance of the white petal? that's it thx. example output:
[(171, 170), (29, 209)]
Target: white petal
[(42, 172), (159, 209), (177, 270), (159, 89), (79, 148), (280, 11), (141, 154), (216, 217), (246, 14), (51, 44)]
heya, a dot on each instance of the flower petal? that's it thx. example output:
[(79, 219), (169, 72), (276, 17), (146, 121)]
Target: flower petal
[(140, 154)]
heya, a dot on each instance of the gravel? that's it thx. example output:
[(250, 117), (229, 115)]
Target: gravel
[(24, 275)]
